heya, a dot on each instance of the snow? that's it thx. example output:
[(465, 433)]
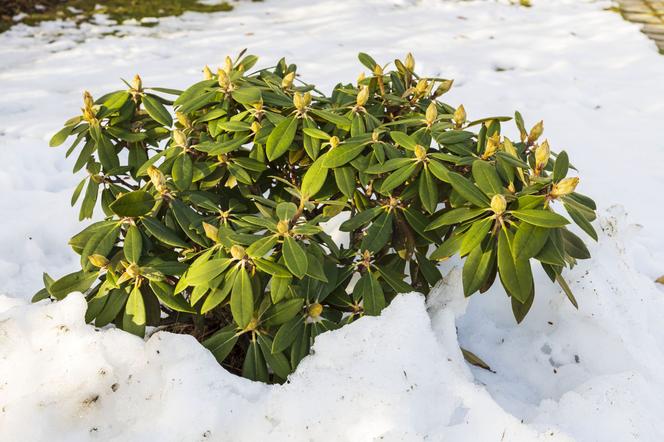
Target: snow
[(587, 375)]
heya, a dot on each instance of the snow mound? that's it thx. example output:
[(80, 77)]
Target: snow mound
[(562, 375)]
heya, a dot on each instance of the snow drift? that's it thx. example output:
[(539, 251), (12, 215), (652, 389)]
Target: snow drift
[(563, 375)]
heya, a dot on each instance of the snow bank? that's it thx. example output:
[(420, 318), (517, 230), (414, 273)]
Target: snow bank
[(562, 375)]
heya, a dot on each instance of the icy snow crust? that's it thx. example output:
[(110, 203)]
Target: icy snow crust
[(588, 375)]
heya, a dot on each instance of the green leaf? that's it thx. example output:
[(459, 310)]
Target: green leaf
[(337, 120), (345, 180), (428, 191), (133, 244), (287, 333), (398, 177), (286, 211), (515, 274), (316, 133), (271, 268), (568, 291), (163, 233), (134, 317), (282, 312), (261, 247), (486, 177), (520, 310), (133, 204), (371, 293), (397, 284), (403, 140), (295, 257), (468, 190), (242, 299), (342, 154), (254, 366), (477, 268), (314, 178), (166, 296), (542, 218), (281, 138), (221, 343), (367, 61), (202, 274), (574, 246), (218, 295), (73, 282), (474, 236), (247, 95), (359, 219), (581, 221), (439, 171), (529, 240), (60, 136), (455, 216), (389, 165), (560, 167), (157, 111), (277, 361), (378, 234), (183, 171)]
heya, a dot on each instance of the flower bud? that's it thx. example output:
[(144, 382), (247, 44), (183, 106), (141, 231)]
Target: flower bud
[(282, 227), (362, 96), (421, 87), (459, 116), (211, 231), (137, 83), (375, 136), (182, 119), (315, 310), (98, 260), (88, 101), (298, 101), (287, 81), (334, 142), (431, 113), (222, 79), (410, 62), (133, 270), (498, 204), (491, 146), (420, 152), (207, 73), (564, 187), (444, 86), (255, 127), (157, 179), (535, 132), (237, 252), (307, 99), (378, 71), (542, 154), (180, 138), (228, 65)]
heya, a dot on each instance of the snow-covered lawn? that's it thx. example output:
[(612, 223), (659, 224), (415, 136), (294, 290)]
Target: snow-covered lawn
[(589, 375)]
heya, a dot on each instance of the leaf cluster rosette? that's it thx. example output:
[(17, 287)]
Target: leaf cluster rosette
[(213, 220)]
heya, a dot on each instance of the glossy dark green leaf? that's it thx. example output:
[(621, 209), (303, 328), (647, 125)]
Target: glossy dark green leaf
[(529, 240), (73, 282), (428, 191), (295, 257), (515, 274), (133, 204), (134, 317), (163, 233), (221, 343), (398, 177), (477, 268), (242, 299), (314, 178), (183, 172), (157, 111), (378, 233), (133, 244), (342, 154), (360, 219), (455, 216), (561, 166), (281, 138), (468, 190), (542, 218), (486, 177)]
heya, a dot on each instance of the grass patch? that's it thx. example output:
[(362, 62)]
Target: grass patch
[(83, 10)]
